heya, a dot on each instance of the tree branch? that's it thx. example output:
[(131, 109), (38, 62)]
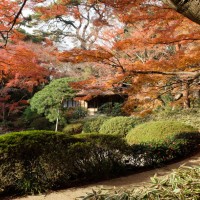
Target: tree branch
[(5, 38)]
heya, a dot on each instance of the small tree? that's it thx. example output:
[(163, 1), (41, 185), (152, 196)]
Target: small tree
[(49, 100)]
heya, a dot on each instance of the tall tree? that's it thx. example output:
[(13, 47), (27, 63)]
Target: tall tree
[(49, 101)]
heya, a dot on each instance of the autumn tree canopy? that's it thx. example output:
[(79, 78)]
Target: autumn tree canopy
[(148, 46), (85, 23), (21, 75), (157, 53)]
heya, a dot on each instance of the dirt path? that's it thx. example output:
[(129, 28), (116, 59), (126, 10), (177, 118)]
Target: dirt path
[(125, 182)]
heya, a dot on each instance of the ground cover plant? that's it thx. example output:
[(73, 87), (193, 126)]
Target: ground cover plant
[(182, 183)]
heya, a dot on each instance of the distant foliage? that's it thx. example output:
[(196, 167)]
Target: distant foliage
[(73, 128), (40, 123), (93, 125), (30, 115), (118, 125), (75, 113), (158, 132), (111, 109)]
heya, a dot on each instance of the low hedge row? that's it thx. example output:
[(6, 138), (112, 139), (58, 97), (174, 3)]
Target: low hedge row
[(34, 161)]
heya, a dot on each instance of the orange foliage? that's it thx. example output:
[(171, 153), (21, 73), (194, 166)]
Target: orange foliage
[(10, 16), (20, 65), (79, 55), (156, 41), (51, 12), (20, 74)]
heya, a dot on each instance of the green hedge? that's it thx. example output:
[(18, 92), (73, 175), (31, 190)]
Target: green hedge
[(156, 154), (34, 161), (157, 131), (93, 125), (118, 125)]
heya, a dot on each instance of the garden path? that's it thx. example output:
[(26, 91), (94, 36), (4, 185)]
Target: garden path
[(125, 182)]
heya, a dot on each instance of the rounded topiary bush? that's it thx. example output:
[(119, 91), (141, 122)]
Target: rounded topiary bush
[(73, 128), (158, 131), (93, 125), (118, 125)]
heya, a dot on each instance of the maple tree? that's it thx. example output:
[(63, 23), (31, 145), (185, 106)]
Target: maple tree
[(155, 41), (169, 50), (10, 12), (85, 23), (22, 74), (153, 44)]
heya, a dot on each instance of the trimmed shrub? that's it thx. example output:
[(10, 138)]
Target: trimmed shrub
[(85, 135), (156, 154), (157, 132), (118, 125), (73, 128), (93, 125)]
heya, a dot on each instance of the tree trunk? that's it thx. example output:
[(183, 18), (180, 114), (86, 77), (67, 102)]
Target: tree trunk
[(3, 112), (57, 120), (186, 98), (188, 8)]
